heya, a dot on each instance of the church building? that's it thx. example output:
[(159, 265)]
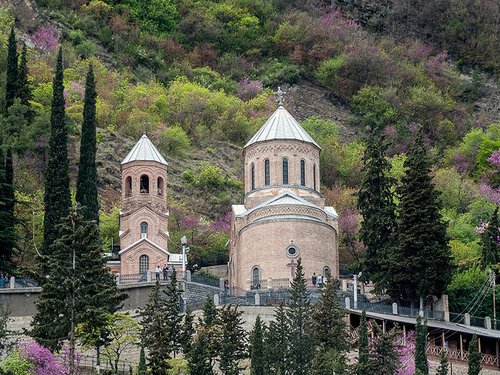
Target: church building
[(283, 216), (144, 212)]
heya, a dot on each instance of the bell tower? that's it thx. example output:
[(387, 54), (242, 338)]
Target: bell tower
[(144, 212)]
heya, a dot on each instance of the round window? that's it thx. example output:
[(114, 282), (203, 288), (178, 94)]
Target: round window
[(292, 251)]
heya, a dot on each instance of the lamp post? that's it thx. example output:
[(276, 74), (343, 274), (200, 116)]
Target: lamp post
[(184, 246), (355, 302)]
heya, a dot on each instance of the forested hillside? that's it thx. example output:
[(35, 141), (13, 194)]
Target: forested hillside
[(199, 76)]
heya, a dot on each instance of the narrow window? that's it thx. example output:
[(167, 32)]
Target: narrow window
[(252, 174), (303, 172), (314, 176), (267, 175), (128, 186), (285, 171), (327, 272), (160, 186), (143, 264), (144, 185), (255, 278), (144, 229)]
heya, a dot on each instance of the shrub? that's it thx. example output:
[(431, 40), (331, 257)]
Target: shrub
[(45, 39), (372, 109), (174, 140), (86, 49), (282, 72)]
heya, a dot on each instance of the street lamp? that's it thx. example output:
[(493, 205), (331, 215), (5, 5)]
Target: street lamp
[(184, 246), (356, 290)]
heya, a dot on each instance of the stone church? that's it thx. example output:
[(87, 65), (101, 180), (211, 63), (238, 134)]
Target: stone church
[(283, 216), (144, 212)]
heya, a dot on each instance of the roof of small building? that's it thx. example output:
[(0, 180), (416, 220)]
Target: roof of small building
[(286, 198), (144, 150), (281, 125)]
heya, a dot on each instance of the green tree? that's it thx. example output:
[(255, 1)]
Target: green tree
[(276, 346), (154, 332), (474, 361), (363, 357), (24, 87), (376, 205), (78, 287), (300, 334), (421, 263), (233, 340), (124, 334), (329, 362), (57, 194), (141, 368), (203, 351), (384, 356), (490, 248), (187, 332), (328, 320), (257, 365), (86, 186), (421, 362), (173, 314), (443, 368), (12, 70)]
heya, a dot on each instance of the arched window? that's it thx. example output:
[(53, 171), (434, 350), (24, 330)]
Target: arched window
[(160, 186), (128, 186), (285, 171), (255, 278), (143, 264), (314, 176), (144, 185), (144, 229), (327, 272), (252, 175), (267, 174), (303, 172)]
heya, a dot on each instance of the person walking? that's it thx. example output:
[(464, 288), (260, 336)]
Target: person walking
[(320, 281), (314, 278)]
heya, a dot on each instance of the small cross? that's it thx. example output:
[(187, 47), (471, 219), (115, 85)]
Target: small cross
[(144, 125), (280, 96), (292, 265)]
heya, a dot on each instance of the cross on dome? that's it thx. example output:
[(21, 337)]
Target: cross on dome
[(280, 96)]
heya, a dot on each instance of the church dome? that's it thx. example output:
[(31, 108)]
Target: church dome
[(281, 126), (144, 150)]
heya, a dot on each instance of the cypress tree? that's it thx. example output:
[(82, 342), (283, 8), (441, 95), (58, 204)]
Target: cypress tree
[(376, 205), (24, 88), (141, 368), (300, 336), (276, 343), (203, 351), (363, 353), (187, 332), (443, 364), (5, 253), (173, 315), (257, 349), (328, 320), (12, 70), (421, 362), (57, 194), (421, 262), (86, 186), (154, 332), (474, 358), (489, 241), (233, 340)]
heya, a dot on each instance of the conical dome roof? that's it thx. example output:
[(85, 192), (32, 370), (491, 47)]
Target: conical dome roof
[(281, 125), (144, 150)]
